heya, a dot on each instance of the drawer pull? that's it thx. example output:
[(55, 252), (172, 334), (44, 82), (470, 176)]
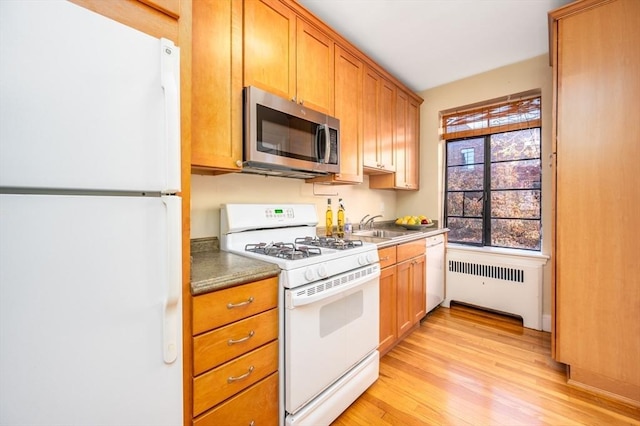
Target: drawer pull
[(244, 376), (253, 423), (237, 305), (244, 339), (384, 258)]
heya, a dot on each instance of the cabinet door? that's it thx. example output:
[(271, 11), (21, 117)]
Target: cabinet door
[(388, 322), (407, 153), (314, 71), (406, 146), (597, 292), (378, 113), (418, 288), (216, 119), (403, 296), (348, 109), (269, 47)]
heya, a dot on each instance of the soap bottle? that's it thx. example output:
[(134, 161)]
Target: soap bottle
[(340, 219), (329, 219)]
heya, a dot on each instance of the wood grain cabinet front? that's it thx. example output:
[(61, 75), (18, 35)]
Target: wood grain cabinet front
[(253, 406), (235, 354), (402, 291), (378, 117), (234, 376), (286, 55), (216, 68)]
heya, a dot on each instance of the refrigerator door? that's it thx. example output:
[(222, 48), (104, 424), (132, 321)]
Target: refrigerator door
[(86, 303), (87, 103)]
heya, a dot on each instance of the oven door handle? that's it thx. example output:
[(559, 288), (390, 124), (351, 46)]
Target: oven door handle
[(325, 289)]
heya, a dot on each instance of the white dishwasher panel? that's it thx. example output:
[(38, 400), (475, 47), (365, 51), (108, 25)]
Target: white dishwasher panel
[(435, 271)]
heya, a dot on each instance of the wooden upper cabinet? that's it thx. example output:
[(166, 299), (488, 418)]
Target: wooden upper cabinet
[(378, 118), (269, 47), (348, 109), (407, 146), (315, 67), (216, 110), (285, 55)]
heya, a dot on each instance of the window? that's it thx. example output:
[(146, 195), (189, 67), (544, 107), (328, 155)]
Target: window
[(493, 180)]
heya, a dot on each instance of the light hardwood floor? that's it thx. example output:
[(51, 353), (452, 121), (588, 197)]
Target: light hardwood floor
[(471, 367)]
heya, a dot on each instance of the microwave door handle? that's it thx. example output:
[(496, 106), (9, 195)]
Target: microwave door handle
[(325, 154)]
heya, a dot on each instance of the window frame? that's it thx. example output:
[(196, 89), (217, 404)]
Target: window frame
[(486, 217)]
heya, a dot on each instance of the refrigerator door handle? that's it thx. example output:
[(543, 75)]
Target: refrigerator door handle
[(171, 311), (170, 78)]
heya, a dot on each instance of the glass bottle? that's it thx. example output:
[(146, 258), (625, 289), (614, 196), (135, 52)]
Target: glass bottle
[(340, 219), (329, 219)]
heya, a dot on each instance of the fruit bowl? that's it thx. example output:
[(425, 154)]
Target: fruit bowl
[(417, 227)]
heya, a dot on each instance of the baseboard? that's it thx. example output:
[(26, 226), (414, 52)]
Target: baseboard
[(546, 322)]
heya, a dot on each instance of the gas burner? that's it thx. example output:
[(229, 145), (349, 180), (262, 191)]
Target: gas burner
[(283, 250), (329, 242)]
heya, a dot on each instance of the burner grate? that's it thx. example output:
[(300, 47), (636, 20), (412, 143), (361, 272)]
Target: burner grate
[(329, 242)]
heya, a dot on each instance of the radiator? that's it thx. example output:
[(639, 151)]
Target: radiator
[(502, 282)]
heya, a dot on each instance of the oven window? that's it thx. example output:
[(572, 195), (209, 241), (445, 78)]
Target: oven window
[(285, 135), (337, 314)]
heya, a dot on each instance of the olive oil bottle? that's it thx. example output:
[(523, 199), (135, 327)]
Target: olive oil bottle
[(340, 219), (329, 219)]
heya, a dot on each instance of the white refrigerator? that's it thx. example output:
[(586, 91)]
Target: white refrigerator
[(90, 220)]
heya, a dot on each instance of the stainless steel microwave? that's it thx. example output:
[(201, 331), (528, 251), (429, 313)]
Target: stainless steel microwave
[(283, 138)]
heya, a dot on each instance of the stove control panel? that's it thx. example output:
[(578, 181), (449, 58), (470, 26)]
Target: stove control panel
[(278, 213)]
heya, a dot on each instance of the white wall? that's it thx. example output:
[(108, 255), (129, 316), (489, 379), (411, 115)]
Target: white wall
[(527, 75)]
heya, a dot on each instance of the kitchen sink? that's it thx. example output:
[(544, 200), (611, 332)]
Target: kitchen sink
[(378, 233)]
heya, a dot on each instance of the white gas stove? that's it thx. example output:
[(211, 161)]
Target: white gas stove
[(329, 306), (285, 234)]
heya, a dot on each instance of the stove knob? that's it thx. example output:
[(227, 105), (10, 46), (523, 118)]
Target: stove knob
[(309, 275), (362, 260), (322, 271), (371, 258)]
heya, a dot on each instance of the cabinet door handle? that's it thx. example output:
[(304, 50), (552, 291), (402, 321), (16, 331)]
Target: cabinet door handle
[(237, 305), (244, 376), (243, 339)]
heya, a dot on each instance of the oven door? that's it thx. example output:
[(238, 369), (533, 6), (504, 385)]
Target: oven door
[(330, 326)]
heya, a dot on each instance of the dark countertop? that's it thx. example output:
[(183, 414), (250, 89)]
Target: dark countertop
[(213, 269)]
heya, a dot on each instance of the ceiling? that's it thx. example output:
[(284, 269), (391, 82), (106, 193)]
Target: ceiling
[(427, 43)]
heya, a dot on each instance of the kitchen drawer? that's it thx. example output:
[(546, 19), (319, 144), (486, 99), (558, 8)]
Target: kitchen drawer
[(212, 349), (387, 256), (411, 249), (257, 405), (222, 307), (214, 387)]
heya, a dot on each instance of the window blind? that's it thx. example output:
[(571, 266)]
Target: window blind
[(494, 118)]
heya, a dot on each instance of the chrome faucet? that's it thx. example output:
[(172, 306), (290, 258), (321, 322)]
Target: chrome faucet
[(370, 221), (362, 221)]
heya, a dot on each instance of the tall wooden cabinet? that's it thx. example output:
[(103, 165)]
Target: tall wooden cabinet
[(596, 65)]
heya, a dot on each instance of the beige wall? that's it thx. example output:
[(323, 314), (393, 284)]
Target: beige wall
[(209, 192), (527, 75)]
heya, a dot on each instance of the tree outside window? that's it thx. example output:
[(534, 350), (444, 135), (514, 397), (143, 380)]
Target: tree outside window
[(493, 189)]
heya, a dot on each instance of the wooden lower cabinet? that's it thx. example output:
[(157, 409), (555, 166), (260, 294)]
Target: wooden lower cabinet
[(235, 355), (256, 405), (402, 291)]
